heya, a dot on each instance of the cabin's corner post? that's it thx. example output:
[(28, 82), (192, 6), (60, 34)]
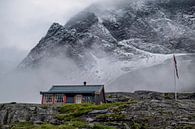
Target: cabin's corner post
[(42, 99), (104, 96), (75, 99), (96, 98), (81, 98), (53, 99)]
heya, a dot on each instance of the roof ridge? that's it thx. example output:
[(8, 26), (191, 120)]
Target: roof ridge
[(73, 85), (75, 89)]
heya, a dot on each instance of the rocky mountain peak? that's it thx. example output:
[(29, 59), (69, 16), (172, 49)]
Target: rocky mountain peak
[(82, 21), (53, 29), (108, 41)]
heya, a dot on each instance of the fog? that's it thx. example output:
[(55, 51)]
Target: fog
[(25, 22), (25, 85), (160, 77)]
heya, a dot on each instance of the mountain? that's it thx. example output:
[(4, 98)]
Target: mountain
[(112, 39)]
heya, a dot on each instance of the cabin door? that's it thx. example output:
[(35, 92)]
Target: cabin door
[(78, 99), (69, 99)]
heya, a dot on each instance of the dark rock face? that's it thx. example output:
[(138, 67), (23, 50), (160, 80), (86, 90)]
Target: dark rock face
[(13, 113), (162, 26), (82, 21), (129, 25)]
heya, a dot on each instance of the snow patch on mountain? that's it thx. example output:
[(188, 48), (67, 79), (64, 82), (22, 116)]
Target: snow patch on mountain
[(107, 69)]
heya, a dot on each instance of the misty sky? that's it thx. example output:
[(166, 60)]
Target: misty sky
[(24, 22)]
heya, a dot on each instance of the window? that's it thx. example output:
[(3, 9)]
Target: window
[(48, 98), (59, 98), (88, 99), (78, 99)]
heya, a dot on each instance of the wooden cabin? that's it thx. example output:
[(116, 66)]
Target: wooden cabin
[(74, 94)]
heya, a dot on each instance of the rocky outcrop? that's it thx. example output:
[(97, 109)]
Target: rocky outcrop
[(140, 110), (147, 95), (13, 113)]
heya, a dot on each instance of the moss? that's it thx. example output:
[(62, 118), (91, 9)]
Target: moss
[(188, 127), (22, 125), (29, 125), (136, 126), (139, 125), (169, 95), (44, 106), (68, 108), (47, 126), (78, 124), (90, 106), (66, 125), (67, 117), (116, 110), (100, 126), (185, 127), (74, 111)]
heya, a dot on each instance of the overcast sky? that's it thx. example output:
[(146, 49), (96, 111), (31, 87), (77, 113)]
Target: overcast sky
[(24, 22)]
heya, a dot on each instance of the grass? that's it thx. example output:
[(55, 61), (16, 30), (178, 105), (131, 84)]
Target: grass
[(89, 107), (73, 112), (99, 126)]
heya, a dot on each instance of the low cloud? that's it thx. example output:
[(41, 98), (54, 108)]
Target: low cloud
[(24, 22)]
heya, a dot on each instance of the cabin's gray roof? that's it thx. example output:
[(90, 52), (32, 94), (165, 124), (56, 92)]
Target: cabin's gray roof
[(75, 89)]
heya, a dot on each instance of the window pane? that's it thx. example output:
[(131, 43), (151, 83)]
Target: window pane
[(59, 98), (88, 99), (48, 98), (78, 99)]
